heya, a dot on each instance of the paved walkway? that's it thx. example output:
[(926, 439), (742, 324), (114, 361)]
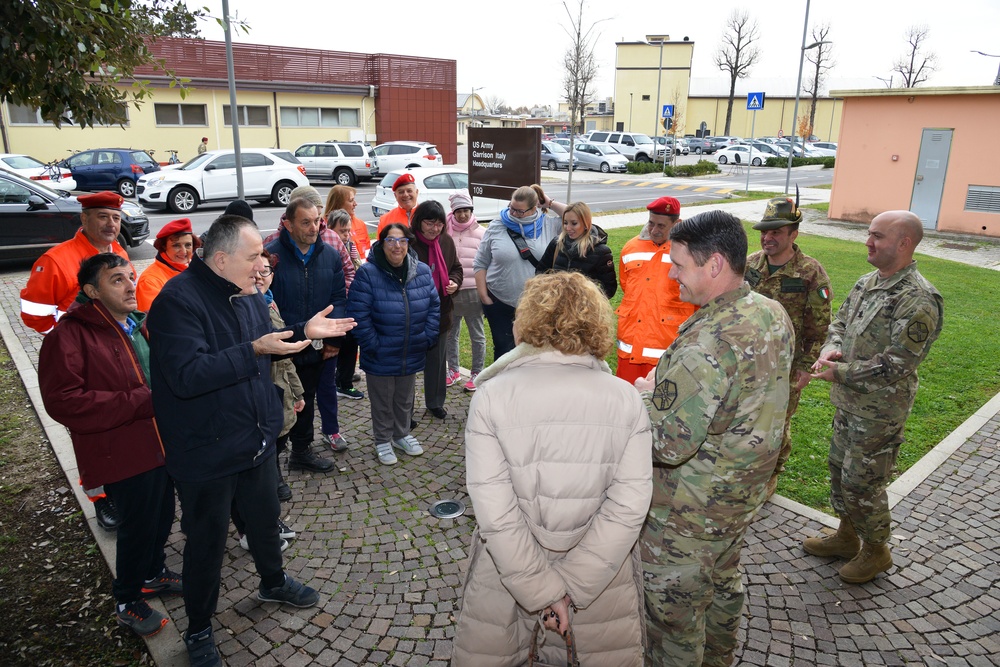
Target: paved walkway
[(390, 575)]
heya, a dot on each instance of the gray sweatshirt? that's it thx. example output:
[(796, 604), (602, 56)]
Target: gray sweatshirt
[(506, 272)]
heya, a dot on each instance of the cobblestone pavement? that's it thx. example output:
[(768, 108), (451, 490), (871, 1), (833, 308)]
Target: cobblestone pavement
[(390, 575)]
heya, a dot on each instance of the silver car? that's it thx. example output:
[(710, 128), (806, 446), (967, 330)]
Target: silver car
[(556, 157), (345, 162), (600, 157)]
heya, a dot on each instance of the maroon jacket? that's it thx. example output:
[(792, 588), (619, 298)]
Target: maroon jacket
[(92, 382)]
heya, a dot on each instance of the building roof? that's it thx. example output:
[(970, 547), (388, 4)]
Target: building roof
[(916, 92), (718, 86)]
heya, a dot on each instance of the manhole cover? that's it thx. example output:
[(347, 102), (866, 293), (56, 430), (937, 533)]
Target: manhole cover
[(447, 509)]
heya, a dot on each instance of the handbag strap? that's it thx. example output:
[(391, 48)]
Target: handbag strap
[(571, 657), (522, 246)]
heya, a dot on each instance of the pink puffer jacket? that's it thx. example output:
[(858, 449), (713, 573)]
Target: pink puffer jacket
[(467, 238)]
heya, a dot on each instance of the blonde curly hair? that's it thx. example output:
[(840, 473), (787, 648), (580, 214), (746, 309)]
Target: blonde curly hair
[(566, 311)]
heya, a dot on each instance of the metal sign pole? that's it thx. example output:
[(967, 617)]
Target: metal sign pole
[(753, 125)]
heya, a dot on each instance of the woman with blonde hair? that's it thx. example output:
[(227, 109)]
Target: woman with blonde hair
[(559, 471), (581, 247)]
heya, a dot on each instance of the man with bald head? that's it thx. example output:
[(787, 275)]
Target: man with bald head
[(881, 333)]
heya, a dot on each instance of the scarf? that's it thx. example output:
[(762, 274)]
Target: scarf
[(435, 258), (268, 297), (454, 226), (530, 227)]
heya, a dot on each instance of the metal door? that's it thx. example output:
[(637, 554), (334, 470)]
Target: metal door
[(928, 184)]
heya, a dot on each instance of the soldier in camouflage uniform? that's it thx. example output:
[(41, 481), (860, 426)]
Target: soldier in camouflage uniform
[(881, 333), (718, 410), (798, 282)]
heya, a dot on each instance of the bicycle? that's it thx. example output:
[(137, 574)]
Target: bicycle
[(173, 157), (52, 171)]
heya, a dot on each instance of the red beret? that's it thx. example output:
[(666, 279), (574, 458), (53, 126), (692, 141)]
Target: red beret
[(665, 206), (102, 200), (405, 179), (181, 226)]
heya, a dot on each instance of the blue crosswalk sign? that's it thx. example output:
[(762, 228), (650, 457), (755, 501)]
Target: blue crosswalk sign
[(668, 111), (755, 101)]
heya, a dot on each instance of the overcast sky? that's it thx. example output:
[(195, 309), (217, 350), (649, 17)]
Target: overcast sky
[(514, 49)]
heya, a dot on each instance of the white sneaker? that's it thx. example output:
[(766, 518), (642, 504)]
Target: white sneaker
[(385, 453), (408, 444), (246, 545)]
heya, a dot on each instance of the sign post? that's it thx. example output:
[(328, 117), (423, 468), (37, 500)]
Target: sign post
[(755, 101), (666, 112)]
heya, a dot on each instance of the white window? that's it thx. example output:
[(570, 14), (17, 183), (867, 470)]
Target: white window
[(181, 114), (319, 117)]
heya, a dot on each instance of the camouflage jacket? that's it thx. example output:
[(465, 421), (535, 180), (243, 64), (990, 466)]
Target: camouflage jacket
[(883, 332), (803, 288), (718, 411)]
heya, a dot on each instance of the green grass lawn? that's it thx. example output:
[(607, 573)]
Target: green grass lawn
[(960, 374)]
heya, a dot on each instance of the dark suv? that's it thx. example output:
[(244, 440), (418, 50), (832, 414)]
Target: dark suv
[(110, 169), (35, 218)]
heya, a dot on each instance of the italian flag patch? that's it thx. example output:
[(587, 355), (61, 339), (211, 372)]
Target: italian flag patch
[(824, 292)]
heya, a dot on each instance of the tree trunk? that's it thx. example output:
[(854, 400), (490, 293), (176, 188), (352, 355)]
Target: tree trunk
[(729, 107)]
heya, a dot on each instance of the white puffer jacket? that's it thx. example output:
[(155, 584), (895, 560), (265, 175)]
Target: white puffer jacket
[(559, 468)]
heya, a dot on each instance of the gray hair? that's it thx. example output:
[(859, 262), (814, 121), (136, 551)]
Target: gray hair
[(224, 234), (338, 217), (307, 192)]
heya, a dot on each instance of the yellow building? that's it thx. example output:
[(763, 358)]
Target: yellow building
[(647, 77)]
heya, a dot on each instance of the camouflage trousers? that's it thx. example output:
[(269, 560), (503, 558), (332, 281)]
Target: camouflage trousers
[(786, 435), (694, 601), (862, 457)]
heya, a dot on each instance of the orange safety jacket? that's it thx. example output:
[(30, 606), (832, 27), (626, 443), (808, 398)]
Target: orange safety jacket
[(52, 285), (359, 234), (395, 215), (153, 279), (651, 309)]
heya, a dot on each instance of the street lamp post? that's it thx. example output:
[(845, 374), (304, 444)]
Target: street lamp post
[(630, 112), (996, 82), (798, 87), (657, 39)]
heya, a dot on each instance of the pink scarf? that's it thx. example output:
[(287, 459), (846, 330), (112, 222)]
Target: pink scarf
[(435, 258)]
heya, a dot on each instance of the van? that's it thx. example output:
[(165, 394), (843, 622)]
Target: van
[(635, 146)]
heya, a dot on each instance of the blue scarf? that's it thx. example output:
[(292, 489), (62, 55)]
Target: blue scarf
[(268, 297), (530, 227)]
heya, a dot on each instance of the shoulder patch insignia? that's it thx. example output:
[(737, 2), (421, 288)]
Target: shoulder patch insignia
[(824, 293), (752, 276), (664, 395), (917, 332)]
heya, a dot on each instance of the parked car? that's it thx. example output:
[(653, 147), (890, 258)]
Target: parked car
[(742, 155), (345, 162), (679, 146), (396, 155), (633, 145), (35, 218), (815, 150), (56, 177), (563, 141), (701, 146), (110, 169), (828, 145), (772, 150), (268, 174), (600, 157), (437, 183), (724, 142), (555, 156)]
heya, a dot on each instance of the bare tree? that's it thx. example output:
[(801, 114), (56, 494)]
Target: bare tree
[(737, 53), (579, 71), (917, 64), (495, 104), (820, 58)]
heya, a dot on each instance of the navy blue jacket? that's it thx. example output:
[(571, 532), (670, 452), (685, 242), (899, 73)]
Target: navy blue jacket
[(396, 322), (218, 411), (303, 289)]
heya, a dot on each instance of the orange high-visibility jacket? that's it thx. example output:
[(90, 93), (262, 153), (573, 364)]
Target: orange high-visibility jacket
[(651, 309), (52, 286), (395, 215), (153, 279), (359, 234)]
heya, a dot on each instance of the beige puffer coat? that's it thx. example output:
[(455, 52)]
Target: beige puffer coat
[(558, 467)]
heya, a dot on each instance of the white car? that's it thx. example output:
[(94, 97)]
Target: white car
[(436, 183), (57, 178), (268, 174), (828, 145), (397, 155), (742, 155)]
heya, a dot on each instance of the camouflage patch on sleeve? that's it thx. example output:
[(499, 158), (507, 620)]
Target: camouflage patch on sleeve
[(665, 395)]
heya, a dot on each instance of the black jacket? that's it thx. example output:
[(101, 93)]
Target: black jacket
[(598, 264), (218, 411)]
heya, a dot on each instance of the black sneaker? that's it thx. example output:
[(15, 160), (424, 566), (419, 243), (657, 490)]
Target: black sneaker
[(284, 531), (351, 393), (201, 649), (140, 618), (308, 461), (440, 413), (167, 583), (284, 491), (107, 513), (291, 592)]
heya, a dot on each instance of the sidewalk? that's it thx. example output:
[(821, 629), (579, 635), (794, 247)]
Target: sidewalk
[(390, 574)]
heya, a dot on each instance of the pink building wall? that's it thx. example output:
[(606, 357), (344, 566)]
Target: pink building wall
[(878, 124)]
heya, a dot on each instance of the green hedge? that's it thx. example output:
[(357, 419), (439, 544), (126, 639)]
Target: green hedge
[(701, 167), (827, 162)]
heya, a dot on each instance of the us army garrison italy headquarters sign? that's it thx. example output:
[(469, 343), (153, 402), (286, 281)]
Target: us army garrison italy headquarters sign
[(503, 159)]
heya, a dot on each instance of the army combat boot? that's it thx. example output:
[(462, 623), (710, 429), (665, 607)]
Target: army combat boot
[(873, 559), (845, 543)]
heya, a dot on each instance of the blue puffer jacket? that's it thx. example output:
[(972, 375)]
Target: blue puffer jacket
[(302, 290), (217, 409), (396, 322)]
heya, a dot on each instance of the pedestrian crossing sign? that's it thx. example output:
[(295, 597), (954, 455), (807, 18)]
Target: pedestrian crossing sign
[(755, 101)]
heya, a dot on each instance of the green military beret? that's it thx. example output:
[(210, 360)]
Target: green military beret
[(780, 211)]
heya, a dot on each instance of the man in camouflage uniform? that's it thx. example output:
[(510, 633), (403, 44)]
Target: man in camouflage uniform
[(781, 272), (881, 333), (717, 409)]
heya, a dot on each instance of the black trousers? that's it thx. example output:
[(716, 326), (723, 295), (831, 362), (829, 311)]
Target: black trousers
[(347, 361), (501, 318), (205, 508), (303, 432), (145, 505)]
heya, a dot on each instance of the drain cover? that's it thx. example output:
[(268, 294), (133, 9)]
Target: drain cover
[(447, 509)]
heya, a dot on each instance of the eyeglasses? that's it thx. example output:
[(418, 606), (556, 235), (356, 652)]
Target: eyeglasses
[(266, 271), (397, 240), (520, 213), (433, 223)]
